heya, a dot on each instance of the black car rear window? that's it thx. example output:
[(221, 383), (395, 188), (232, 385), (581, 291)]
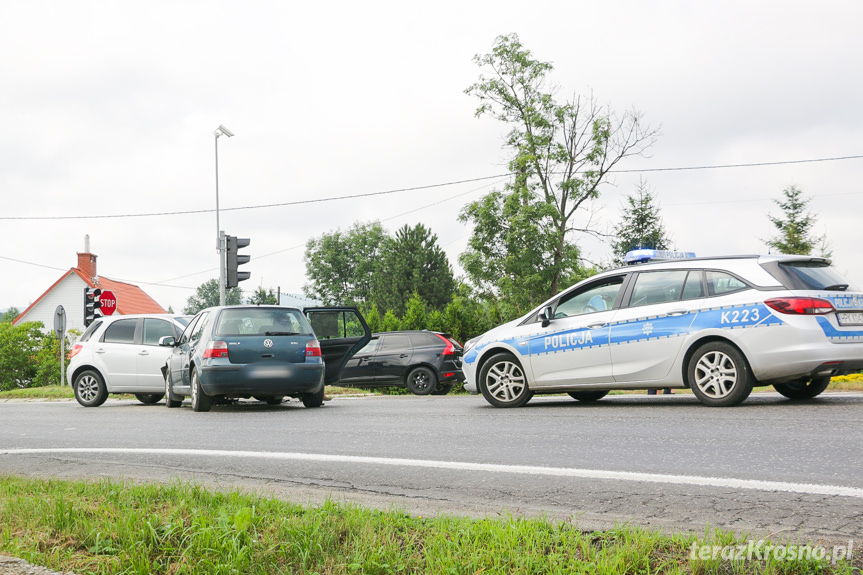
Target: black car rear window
[(809, 275)]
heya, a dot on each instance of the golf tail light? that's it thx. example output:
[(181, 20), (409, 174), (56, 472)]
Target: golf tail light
[(216, 349), (313, 348), (800, 305)]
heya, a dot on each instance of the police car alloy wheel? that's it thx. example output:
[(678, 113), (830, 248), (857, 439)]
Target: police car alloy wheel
[(503, 382), (718, 375), (803, 388)]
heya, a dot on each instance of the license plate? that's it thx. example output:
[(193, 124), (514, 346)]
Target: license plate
[(850, 318)]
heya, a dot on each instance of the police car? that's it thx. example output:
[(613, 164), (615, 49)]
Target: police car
[(718, 326)]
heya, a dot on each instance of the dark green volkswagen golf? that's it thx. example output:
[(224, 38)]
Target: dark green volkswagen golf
[(265, 352)]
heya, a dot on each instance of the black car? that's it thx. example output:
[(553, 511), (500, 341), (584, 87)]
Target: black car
[(426, 362), (265, 352)]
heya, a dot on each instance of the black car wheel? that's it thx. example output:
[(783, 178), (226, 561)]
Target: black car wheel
[(149, 398), (593, 395), (313, 399), (719, 375), (200, 400), (421, 381), (90, 390), (171, 399), (503, 382), (804, 388)]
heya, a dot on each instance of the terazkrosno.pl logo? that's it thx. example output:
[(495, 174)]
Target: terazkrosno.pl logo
[(764, 550)]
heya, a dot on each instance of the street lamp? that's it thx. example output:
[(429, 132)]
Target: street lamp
[(220, 235)]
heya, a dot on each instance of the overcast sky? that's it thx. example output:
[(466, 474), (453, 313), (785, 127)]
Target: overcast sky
[(109, 109)]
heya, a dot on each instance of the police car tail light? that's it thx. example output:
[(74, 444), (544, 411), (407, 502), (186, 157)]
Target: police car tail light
[(449, 349), (216, 349), (313, 348), (801, 305)]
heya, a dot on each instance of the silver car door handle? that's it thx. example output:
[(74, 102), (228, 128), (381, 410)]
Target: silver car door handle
[(677, 312), (597, 325)]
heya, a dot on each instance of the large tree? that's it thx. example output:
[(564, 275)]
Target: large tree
[(561, 153), (341, 265), (640, 225), (207, 295), (412, 262), (795, 228)]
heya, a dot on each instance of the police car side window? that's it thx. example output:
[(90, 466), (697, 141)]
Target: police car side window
[(694, 287), (594, 298), (658, 287), (721, 283)]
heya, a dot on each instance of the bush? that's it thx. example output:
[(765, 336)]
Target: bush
[(28, 356)]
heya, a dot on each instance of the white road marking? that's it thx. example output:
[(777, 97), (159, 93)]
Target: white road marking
[(722, 482)]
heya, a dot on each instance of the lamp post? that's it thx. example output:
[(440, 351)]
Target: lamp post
[(220, 235)]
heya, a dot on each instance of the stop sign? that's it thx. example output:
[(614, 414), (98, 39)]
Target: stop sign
[(109, 303)]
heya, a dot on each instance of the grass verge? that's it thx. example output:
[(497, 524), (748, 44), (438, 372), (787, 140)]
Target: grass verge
[(115, 528)]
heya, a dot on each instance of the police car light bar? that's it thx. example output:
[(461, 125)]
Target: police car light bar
[(644, 255)]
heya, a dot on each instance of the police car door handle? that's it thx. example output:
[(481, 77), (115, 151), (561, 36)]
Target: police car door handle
[(677, 312), (597, 325)]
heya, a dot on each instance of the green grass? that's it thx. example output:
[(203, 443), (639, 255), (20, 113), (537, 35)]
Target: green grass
[(114, 528)]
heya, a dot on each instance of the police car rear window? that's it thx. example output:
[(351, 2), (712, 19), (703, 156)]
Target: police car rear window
[(813, 276)]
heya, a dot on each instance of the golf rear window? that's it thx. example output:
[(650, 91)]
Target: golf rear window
[(262, 321)]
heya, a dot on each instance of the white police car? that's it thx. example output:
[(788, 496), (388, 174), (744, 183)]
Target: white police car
[(718, 326)]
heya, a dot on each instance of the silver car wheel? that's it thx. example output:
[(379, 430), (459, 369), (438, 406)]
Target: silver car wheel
[(88, 387), (716, 374)]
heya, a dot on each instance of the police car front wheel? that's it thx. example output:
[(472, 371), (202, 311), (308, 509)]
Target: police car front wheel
[(719, 375), (503, 382)]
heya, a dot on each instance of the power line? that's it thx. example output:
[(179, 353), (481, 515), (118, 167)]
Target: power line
[(417, 188)]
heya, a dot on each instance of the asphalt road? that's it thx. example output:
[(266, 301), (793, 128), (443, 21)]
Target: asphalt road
[(768, 467)]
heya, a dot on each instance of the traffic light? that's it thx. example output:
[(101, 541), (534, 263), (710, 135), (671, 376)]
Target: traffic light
[(233, 243), (91, 305)]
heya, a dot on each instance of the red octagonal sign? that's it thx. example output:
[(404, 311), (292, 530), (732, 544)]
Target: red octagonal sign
[(109, 303)]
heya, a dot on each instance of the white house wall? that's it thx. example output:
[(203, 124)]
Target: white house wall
[(70, 294)]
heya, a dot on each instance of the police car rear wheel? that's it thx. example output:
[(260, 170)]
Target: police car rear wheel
[(588, 395), (719, 375), (804, 388), (503, 382)]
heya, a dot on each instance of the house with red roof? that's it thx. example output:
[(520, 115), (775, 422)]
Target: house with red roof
[(68, 291)]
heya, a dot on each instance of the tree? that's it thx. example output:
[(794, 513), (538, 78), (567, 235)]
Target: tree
[(263, 297), (341, 265), (795, 229), (412, 262), (9, 315), (640, 225), (561, 154), (207, 295)]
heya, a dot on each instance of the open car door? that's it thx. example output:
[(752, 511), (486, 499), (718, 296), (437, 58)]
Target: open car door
[(342, 332)]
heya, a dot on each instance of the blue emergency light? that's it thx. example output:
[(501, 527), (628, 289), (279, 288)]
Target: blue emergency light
[(641, 256)]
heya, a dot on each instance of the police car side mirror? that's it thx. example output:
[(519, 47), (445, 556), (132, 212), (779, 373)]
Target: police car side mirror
[(546, 315)]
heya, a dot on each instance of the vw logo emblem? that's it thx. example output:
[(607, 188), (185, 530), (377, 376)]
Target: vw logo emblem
[(268, 343)]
